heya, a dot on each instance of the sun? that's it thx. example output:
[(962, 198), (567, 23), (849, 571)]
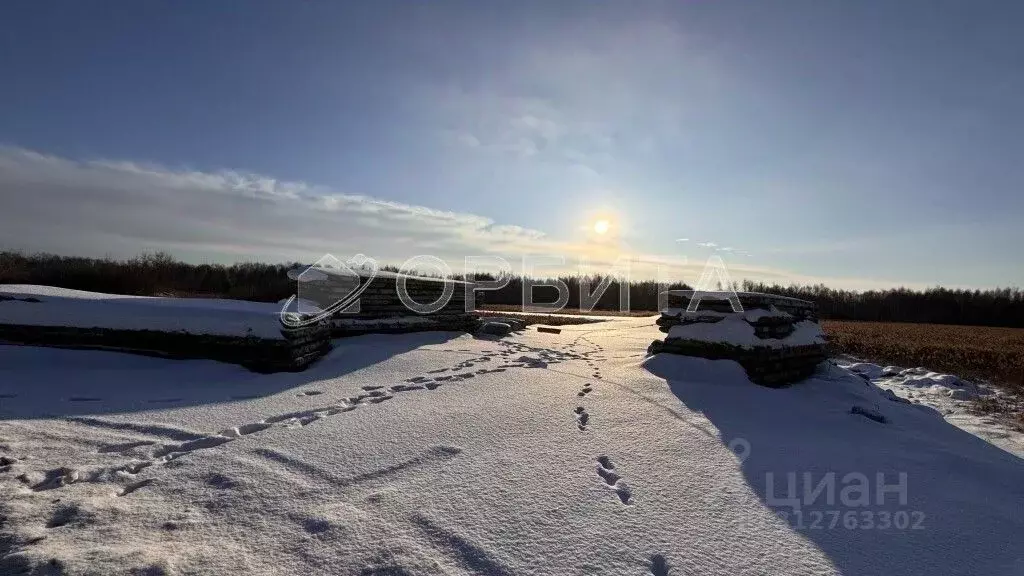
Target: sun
[(601, 226)]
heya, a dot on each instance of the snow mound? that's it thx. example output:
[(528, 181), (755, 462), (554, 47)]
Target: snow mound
[(871, 371)]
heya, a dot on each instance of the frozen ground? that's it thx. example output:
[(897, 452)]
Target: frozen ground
[(438, 453)]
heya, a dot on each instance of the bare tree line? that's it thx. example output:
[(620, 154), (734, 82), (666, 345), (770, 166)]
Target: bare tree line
[(162, 274)]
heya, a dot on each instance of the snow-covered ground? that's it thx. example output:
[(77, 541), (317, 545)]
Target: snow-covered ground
[(440, 453), (949, 394)]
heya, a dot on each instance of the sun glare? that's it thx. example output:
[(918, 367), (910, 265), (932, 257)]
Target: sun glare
[(601, 226)]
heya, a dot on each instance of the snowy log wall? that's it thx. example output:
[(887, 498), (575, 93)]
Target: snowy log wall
[(294, 351), (767, 366), (776, 340), (246, 333), (381, 309)]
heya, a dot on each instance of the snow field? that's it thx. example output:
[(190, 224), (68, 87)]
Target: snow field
[(436, 453)]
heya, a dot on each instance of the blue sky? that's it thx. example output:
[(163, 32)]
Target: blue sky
[(861, 144)]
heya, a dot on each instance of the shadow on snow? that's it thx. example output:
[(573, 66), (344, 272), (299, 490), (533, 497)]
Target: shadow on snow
[(34, 381), (964, 496)]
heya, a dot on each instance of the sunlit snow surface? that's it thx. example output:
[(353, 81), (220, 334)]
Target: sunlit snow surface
[(438, 453)]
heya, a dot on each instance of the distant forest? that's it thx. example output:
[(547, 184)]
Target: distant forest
[(161, 274)]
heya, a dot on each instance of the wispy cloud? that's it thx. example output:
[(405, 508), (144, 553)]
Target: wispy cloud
[(121, 208), (707, 244), (682, 239)]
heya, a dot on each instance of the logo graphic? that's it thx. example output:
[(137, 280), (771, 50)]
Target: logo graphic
[(715, 268), (327, 287)]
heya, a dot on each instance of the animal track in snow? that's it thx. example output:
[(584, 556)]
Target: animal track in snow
[(245, 430), (220, 481), (64, 516), (124, 447), (582, 417), (610, 477), (405, 387), (315, 525), (659, 566), (136, 485), (136, 467), (606, 470), (171, 451), (187, 442), (55, 478)]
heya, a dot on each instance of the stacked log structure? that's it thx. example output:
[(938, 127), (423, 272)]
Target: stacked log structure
[(380, 309), (775, 339), (158, 327)]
